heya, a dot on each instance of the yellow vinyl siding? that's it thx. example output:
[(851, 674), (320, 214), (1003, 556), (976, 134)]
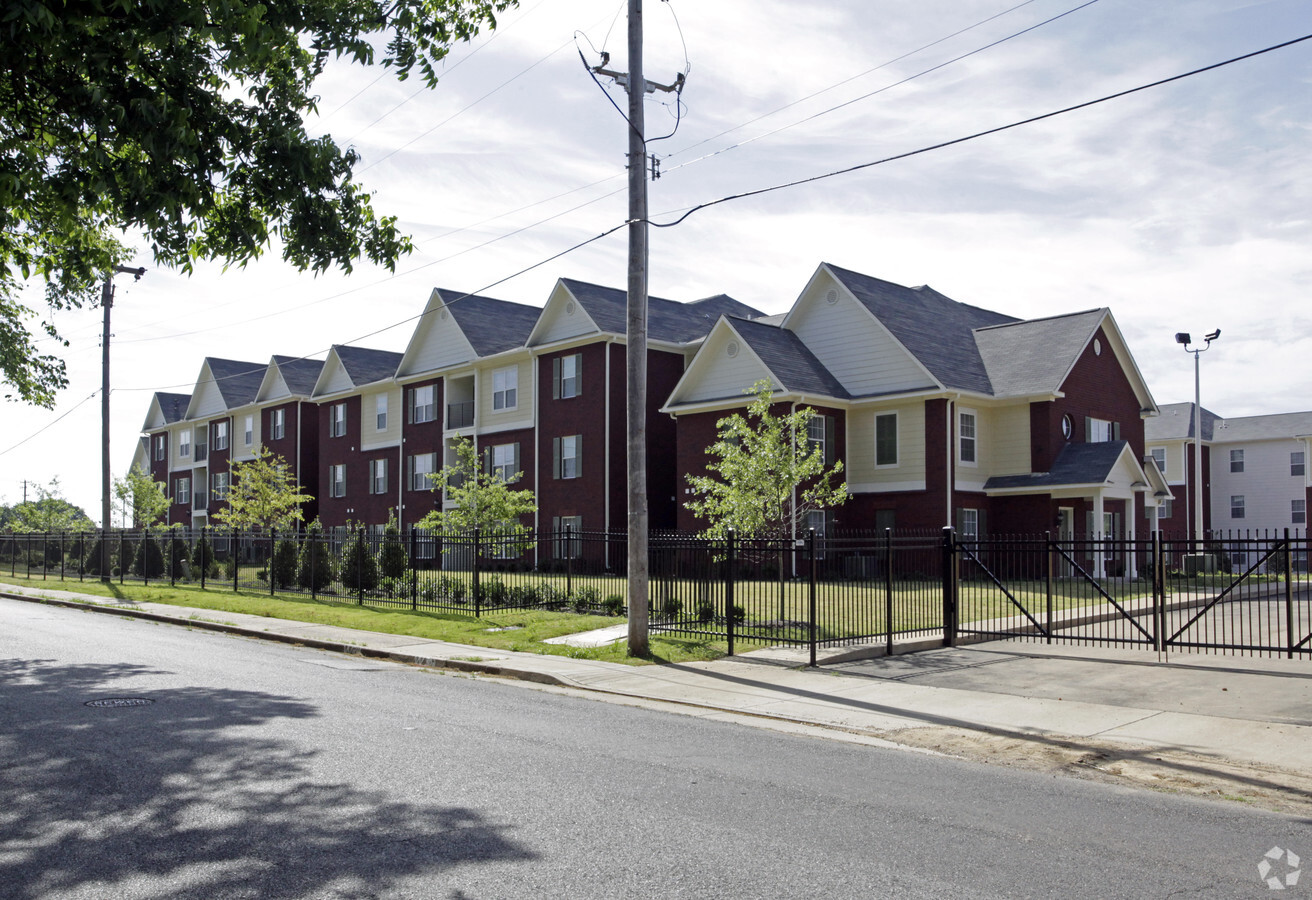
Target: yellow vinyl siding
[(910, 468), (370, 436), (1006, 448)]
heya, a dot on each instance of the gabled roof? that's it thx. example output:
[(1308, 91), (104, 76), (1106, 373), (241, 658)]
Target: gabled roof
[(788, 359), (172, 407), (1034, 356), (238, 382), (937, 330), (298, 373), (1176, 422), (1273, 427), (1075, 465), (364, 366), (675, 323), (491, 326)]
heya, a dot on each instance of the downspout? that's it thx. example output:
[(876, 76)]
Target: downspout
[(533, 359), (792, 519)]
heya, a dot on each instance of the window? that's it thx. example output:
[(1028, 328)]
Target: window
[(1167, 509), (221, 435), (422, 465), (966, 437), (504, 461), (380, 410), (567, 529), (182, 491), (198, 500), (278, 424), (337, 420), (566, 374), (202, 444), (1298, 512), (337, 481), (1100, 431), (505, 384), (1237, 506), (219, 483), (885, 519), (886, 439), (422, 408), (378, 476), (566, 453), (159, 447), (248, 430), (1159, 454), (968, 524), (1297, 466), (184, 444), (1236, 460)]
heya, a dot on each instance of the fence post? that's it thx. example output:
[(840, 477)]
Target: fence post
[(359, 565), (273, 550), (729, 562), (477, 598), (1289, 595), (206, 548), (313, 536), (888, 591), (173, 552), (122, 546), (1159, 593), (61, 556), (28, 554), (810, 552), (1051, 561), (141, 551), (414, 571), (569, 560), (949, 588)]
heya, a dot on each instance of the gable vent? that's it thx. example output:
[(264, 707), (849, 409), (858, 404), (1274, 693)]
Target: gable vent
[(569, 308), (831, 296), (731, 349)]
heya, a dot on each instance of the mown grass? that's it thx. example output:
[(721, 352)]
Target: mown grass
[(528, 628)]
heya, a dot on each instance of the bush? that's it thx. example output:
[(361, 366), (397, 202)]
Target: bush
[(180, 557), (393, 561), (586, 598), (671, 608), (91, 563), (614, 605), (493, 590), (282, 567), (359, 568), (705, 610), (551, 597), (315, 572), (203, 559), (149, 561)]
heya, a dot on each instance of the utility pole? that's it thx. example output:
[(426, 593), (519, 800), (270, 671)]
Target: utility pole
[(107, 301), (636, 329)]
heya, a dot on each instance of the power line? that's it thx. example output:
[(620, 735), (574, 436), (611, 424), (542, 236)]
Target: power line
[(52, 423), (980, 134)]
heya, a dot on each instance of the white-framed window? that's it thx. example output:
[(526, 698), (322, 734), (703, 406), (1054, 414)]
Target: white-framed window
[(1298, 512), (1297, 463), (815, 435), (1236, 460), (182, 491), (202, 451), (380, 412), (248, 430), (278, 424), (1167, 509), (199, 499), (968, 524), (566, 453), (886, 439), (967, 437), (161, 447), (505, 388), (337, 480), (1236, 506), (221, 435), (184, 443), (505, 461), (337, 420), (567, 374), (422, 408), (219, 483), (378, 476), (567, 529), (1159, 454), (422, 465), (1100, 431)]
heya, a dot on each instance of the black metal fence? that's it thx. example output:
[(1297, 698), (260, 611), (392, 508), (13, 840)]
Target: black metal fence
[(1234, 593)]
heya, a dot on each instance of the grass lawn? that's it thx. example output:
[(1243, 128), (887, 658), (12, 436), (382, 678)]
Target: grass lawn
[(531, 627)]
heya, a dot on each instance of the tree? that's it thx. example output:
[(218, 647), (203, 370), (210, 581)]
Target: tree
[(766, 477), (142, 495), (480, 497), (48, 512), (184, 122), (262, 494), (315, 571)]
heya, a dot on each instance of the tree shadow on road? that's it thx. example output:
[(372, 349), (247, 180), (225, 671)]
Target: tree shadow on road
[(189, 798)]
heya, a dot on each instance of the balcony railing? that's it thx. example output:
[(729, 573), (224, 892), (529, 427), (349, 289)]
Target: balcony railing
[(460, 415), (199, 502), (202, 452)]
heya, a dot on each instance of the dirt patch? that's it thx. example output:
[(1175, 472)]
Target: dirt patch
[(1267, 787)]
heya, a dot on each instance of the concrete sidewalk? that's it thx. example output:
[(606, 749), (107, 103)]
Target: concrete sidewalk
[(1251, 716)]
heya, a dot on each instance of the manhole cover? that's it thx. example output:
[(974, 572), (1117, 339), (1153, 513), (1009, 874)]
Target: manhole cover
[(115, 702)]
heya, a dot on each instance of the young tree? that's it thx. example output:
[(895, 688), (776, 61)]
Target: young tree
[(48, 512), (481, 498), (262, 495), (184, 122), (143, 497), (765, 476)]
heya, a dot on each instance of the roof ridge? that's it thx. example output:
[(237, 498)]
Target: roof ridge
[(1083, 312)]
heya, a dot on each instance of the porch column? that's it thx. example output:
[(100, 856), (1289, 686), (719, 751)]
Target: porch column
[(1099, 563)]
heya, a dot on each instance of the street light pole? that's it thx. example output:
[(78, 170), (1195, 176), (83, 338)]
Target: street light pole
[(107, 301), (1184, 339)]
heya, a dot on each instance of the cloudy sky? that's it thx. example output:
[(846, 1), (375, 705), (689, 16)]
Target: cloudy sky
[(1187, 207)]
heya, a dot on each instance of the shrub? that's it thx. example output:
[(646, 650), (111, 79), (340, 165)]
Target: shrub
[(671, 608), (203, 559), (315, 571), (586, 598), (614, 605), (149, 561), (359, 568), (91, 563), (493, 590), (282, 567), (705, 610), (393, 561), (179, 557)]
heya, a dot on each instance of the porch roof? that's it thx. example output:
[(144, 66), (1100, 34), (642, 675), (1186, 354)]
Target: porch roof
[(1076, 465)]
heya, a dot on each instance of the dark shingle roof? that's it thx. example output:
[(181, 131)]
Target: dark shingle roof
[(173, 407), (1075, 464), (1033, 357), (677, 323), (1176, 422), (784, 354), (299, 374), (365, 366), (937, 330), (491, 325), (237, 381)]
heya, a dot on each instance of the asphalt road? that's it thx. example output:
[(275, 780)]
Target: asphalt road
[(265, 771)]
